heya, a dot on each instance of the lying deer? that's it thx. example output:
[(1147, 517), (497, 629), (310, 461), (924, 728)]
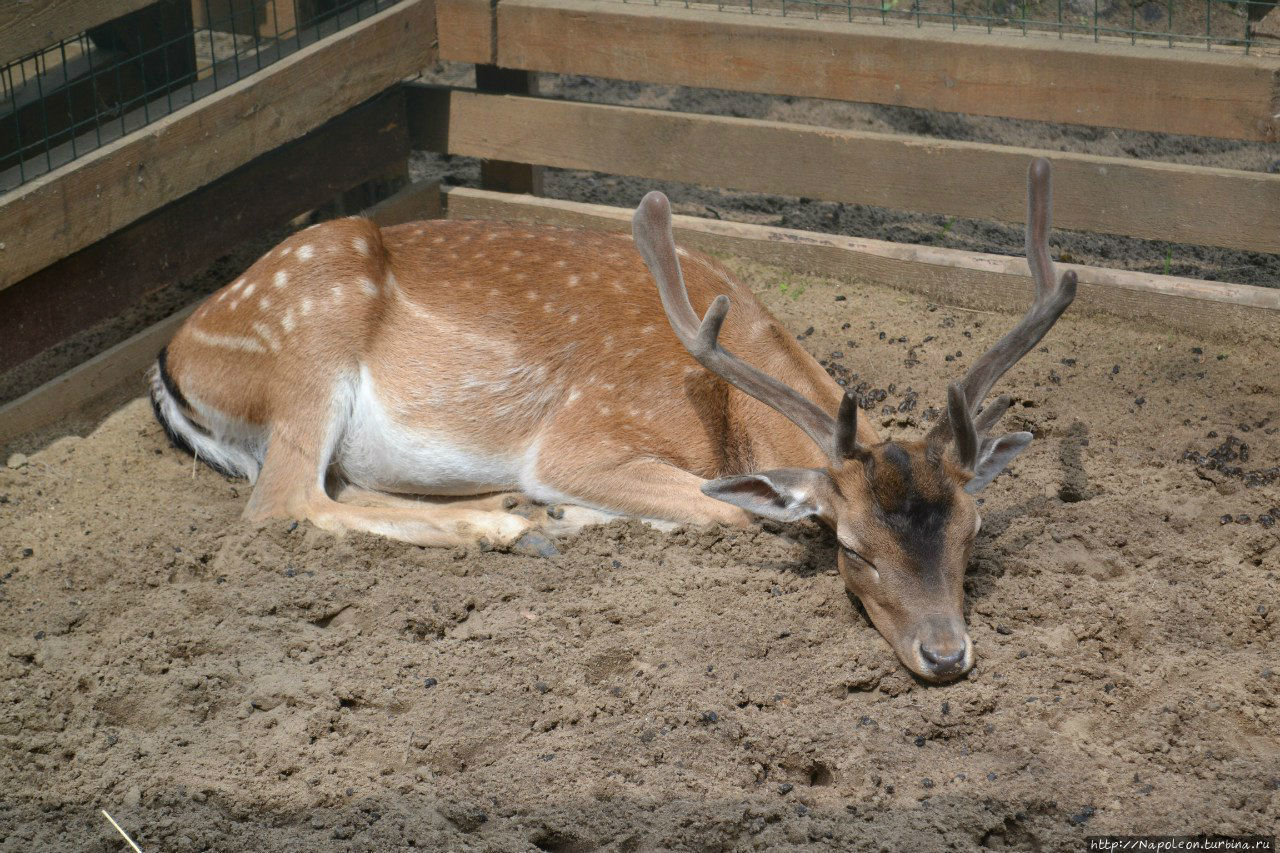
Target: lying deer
[(453, 359)]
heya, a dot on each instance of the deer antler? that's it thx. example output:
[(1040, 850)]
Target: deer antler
[(965, 397), (651, 227)]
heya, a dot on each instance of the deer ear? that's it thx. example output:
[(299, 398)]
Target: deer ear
[(784, 494), (993, 456)]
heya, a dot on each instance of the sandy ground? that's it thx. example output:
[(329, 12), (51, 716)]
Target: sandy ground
[(220, 686)]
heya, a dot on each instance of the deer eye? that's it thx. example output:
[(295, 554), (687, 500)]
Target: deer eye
[(858, 557)]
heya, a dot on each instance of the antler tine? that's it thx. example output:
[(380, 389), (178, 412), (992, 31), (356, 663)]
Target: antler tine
[(1051, 299), (651, 228)]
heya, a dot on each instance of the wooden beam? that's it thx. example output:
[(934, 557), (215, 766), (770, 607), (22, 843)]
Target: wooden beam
[(26, 27), (414, 202), (186, 235), (86, 200), (1149, 200), (88, 383), (966, 279), (116, 374), (1000, 74), (465, 30)]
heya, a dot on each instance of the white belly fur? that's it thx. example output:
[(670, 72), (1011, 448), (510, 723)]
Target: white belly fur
[(379, 453)]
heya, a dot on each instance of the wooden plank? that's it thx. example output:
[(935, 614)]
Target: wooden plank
[(1149, 200), (414, 202), (1000, 74), (966, 279), (80, 203), (465, 31), (182, 238), (124, 363), (87, 383), (26, 27)]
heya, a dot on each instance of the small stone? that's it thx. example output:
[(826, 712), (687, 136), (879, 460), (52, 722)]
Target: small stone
[(1266, 520), (1225, 519), (1243, 519), (785, 788), (429, 683), (1002, 630), (541, 686), (710, 717), (920, 740), (927, 783), (840, 298), (17, 460)]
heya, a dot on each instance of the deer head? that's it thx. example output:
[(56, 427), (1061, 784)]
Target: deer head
[(903, 511)]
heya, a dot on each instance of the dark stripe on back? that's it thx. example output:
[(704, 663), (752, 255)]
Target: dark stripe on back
[(162, 362)]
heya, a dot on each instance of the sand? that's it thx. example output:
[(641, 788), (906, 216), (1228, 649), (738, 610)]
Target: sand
[(222, 686)]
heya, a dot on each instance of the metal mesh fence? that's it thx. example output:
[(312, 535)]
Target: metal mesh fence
[(82, 93), (1244, 25)]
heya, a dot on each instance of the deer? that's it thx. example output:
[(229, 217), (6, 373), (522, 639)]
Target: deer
[(458, 382)]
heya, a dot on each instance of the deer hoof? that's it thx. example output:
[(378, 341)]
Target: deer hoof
[(534, 544)]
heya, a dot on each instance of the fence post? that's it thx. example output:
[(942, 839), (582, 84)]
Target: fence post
[(504, 175)]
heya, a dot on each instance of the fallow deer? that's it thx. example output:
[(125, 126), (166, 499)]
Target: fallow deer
[(421, 371)]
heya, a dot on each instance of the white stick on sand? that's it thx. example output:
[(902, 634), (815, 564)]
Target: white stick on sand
[(123, 834)]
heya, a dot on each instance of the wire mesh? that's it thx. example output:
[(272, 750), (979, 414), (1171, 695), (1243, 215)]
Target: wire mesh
[(73, 97), (1244, 25)]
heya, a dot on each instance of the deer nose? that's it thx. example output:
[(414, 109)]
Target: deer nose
[(942, 662)]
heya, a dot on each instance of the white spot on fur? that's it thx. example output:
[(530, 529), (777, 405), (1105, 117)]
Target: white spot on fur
[(286, 322), (264, 303), (573, 318), (360, 244), (235, 288), (280, 279), (231, 342), (648, 329), (248, 291), (306, 252), (306, 307), (531, 295), (547, 307), (335, 292), (367, 286), (574, 280), (267, 335)]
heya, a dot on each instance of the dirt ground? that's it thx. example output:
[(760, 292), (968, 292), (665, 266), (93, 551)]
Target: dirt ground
[(221, 686)]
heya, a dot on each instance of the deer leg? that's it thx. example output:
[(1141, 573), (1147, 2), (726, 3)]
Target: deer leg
[(636, 487), (291, 485)]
